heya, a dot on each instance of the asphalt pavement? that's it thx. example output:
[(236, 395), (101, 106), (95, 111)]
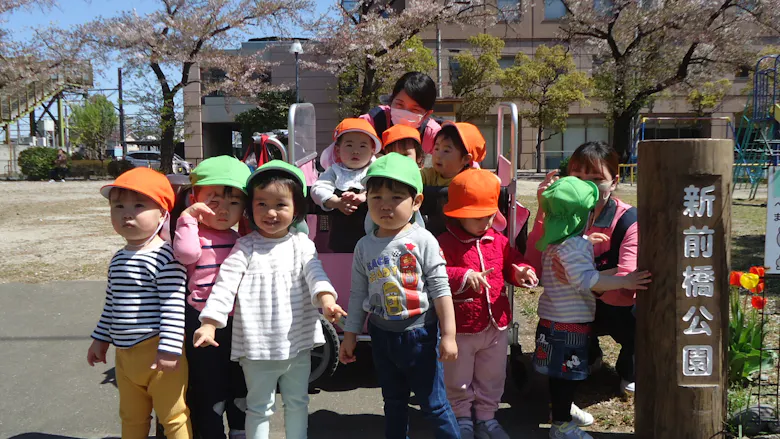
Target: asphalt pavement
[(48, 391)]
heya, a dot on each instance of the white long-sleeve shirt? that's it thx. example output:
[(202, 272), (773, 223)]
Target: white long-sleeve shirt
[(274, 284), (144, 298), (337, 177)]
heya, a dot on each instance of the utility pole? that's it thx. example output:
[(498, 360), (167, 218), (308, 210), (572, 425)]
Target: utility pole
[(121, 115)]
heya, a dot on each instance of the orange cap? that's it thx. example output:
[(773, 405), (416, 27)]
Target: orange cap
[(147, 182), (471, 138), (399, 132), (354, 124), (474, 194)]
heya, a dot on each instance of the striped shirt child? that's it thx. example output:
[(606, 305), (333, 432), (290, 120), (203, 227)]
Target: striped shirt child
[(144, 298), (572, 303)]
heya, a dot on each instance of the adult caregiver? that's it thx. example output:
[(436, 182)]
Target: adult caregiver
[(598, 162)]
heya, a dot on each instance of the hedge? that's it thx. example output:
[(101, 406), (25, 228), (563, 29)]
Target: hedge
[(37, 162), (87, 168), (117, 167)]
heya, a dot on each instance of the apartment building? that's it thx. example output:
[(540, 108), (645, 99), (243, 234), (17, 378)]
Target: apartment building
[(210, 118)]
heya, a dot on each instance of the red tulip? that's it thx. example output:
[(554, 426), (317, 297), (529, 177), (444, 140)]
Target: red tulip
[(760, 271), (734, 278), (758, 302)]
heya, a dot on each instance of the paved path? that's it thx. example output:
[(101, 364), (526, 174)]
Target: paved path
[(48, 391)]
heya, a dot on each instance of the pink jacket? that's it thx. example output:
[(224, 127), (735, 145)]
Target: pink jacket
[(464, 253), (628, 249), (202, 250)]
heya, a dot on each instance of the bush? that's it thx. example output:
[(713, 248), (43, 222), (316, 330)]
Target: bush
[(78, 156), (118, 167), (37, 162), (746, 341), (85, 168), (562, 168)]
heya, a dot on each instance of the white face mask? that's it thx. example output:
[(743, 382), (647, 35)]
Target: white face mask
[(404, 117), (605, 189)]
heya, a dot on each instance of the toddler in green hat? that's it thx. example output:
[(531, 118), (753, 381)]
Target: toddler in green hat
[(566, 310), (203, 238)]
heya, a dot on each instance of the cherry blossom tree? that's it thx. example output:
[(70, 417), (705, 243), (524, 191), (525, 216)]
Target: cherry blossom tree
[(368, 39), (643, 47), (184, 33)]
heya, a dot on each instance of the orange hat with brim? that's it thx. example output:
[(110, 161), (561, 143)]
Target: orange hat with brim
[(400, 132), (357, 125), (474, 194), (147, 182), (471, 138)]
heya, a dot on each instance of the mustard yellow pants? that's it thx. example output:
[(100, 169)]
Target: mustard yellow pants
[(142, 389)]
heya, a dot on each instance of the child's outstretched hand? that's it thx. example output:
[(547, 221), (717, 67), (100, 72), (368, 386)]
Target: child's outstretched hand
[(637, 280), (342, 204), (199, 211), (597, 238), (353, 198), (204, 336), (165, 362), (549, 179), (347, 348), (330, 309), (476, 280), (525, 276), (97, 352), (448, 348)]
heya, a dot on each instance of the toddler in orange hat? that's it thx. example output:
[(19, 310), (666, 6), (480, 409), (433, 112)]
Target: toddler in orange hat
[(458, 146), (340, 186), (404, 140), (143, 315)]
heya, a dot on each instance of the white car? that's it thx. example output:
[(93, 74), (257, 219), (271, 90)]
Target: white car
[(151, 159)]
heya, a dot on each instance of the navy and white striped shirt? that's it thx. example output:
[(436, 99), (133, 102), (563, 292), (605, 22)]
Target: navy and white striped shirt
[(144, 298)]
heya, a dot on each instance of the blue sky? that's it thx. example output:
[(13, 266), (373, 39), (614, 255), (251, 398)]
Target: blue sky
[(71, 12)]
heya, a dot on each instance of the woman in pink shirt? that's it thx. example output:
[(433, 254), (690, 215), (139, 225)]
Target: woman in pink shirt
[(615, 251)]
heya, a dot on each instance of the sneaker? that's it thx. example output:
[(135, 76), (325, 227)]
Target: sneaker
[(63, 180), (237, 434), (627, 386), (466, 427), (580, 416), (51, 181), (569, 430), (490, 429)]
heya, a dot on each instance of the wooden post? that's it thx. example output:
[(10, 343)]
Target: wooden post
[(682, 319)]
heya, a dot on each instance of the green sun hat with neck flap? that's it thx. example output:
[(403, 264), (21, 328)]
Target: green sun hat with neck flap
[(294, 172), (566, 204), (222, 170)]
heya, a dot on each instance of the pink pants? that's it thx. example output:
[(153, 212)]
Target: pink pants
[(476, 378)]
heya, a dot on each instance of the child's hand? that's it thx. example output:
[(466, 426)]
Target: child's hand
[(478, 279), (636, 280), (165, 362), (199, 211), (347, 348), (342, 204), (548, 180), (97, 352), (353, 198), (448, 348), (525, 276), (330, 309), (597, 238), (204, 336)]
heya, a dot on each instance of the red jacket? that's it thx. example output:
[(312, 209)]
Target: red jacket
[(465, 253)]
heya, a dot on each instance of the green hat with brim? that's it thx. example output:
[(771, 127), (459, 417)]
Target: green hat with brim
[(396, 167), (566, 204), (280, 165), (222, 170)]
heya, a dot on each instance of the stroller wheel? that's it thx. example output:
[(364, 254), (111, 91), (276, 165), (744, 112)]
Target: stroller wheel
[(517, 369), (325, 358)]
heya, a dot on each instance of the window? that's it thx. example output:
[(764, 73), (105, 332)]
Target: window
[(508, 10), (554, 9), (454, 69), (578, 131), (506, 61)]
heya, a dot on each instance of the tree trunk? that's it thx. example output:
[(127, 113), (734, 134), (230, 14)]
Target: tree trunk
[(539, 134), (621, 135), (168, 129), (367, 90)]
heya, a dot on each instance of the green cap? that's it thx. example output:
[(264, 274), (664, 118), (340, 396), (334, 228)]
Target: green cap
[(567, 203), (396, 167), (222, 170), (280, 165)]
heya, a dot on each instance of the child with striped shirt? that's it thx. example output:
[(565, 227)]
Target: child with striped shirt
[(143, 315), (566, 311), (276, 282), (203, 239)]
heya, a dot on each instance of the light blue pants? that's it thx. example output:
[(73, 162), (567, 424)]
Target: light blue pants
[(261, 379)]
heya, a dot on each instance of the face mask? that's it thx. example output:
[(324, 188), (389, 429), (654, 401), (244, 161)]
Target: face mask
[(403, 117), (605, 189)]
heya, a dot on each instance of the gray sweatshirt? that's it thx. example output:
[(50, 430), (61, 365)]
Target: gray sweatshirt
[(395, 281)]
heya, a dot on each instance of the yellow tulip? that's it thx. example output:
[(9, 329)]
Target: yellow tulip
[(749, 281)]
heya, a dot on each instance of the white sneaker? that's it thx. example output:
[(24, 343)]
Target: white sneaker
[(51, 181), (580, 416), (568, 430), (627, 387), (63, 180)]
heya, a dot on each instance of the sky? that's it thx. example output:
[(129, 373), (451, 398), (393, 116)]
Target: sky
[(72, 12)]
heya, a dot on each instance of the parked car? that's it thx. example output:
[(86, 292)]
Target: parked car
[(151, 159)]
